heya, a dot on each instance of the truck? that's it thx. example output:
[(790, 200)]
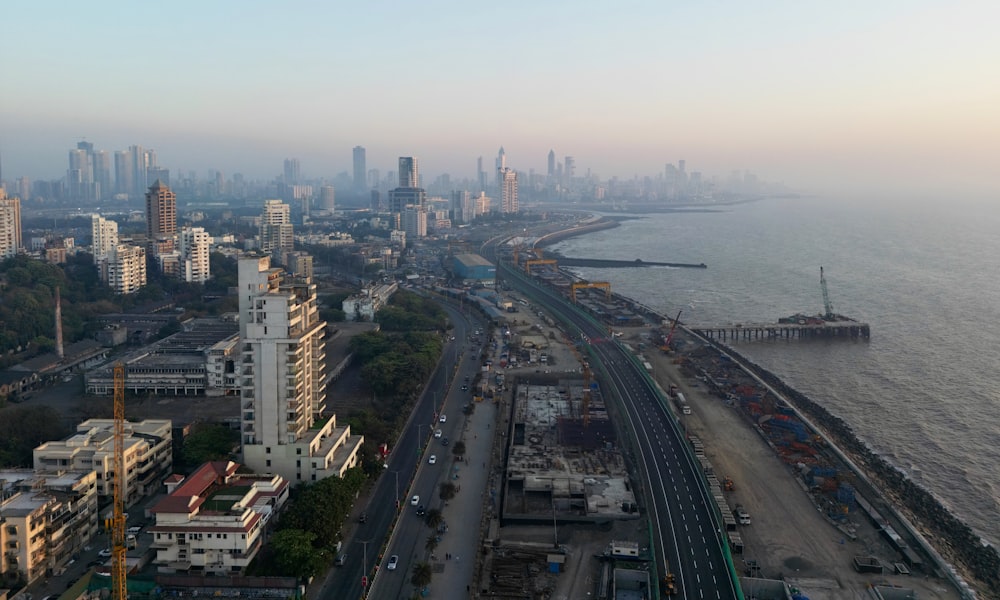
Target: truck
[(741, 515)]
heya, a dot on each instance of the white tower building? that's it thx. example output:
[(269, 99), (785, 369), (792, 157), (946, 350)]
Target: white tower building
[(193, 245)]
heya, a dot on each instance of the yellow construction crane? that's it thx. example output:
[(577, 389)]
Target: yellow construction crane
[(119, 590), (538, 261), (590, 284)]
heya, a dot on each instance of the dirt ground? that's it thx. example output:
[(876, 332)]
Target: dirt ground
[(789, 537)]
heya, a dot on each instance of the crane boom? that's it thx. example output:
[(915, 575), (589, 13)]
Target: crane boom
[(670, 336), (826, 296), (118, 567)]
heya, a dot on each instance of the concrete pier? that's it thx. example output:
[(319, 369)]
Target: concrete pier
[(785, 331)]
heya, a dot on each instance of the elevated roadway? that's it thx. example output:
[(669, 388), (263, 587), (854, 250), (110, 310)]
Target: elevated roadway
[(686, 532)]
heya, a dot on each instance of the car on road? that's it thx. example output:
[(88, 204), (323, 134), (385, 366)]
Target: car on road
[(421, 511), (415, 500), (437, 433), (393, 561), (432, 459), (443, 419), (465, 388), (341, 560), (363, 517), (105, 553), (444, 442)]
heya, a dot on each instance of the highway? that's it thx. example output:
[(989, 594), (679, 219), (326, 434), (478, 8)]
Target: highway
[(686, 534), (407, 460)]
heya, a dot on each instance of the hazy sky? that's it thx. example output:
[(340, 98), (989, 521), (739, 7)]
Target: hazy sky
[(887, 95)]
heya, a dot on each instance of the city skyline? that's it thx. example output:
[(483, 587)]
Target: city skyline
[(893, 97)]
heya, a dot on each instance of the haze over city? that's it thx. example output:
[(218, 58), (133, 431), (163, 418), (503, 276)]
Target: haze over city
[(893, 98)]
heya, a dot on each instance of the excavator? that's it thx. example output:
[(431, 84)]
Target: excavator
[(670, 336)]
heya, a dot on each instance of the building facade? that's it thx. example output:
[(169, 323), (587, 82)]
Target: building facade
[(360, 169), (508, 191), (148, 456), (276, 233), (126, 271), (212, 521), (283, 383), (193, 247), (10, 225), (161, 212), (104, 233)]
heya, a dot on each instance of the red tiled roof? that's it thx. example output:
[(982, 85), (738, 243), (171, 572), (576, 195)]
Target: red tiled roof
[(189, 494)]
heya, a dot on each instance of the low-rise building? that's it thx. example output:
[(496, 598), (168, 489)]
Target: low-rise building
[(212, 521), (148, 455), (47, 518), (363, 305)]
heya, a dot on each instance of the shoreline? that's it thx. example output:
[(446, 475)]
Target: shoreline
[(948, 537)]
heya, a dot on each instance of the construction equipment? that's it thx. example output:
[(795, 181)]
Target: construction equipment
[(829, 316), (669, 585), (118, 566), (589, 285), (727, 484), (538, 261), (670, 335)]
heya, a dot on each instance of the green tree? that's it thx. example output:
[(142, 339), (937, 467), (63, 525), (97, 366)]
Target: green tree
[(295, 554), (208, 442), (434, 517), (431, 543), (447, 490), (23, 428), (459, 448), (421, 575)]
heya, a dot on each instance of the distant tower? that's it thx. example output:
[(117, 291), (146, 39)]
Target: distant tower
[(360, 169), (501, 165), (481, 174), (552, 163), (327, 198), (161, 212), (276, 233), (409, 177), (292, 171), (59, 334), (508, 191)]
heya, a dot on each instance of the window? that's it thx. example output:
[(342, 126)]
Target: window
[(267, 449), (298, 450), (269, 462)]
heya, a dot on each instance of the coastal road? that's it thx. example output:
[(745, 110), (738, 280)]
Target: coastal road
[(687, 536), (407, 462)]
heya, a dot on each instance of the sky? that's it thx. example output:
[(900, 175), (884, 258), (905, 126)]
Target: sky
[(889, 98)]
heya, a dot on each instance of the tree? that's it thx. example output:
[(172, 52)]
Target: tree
[(431, 543), (23, 428), (421, 575), (447, 490), (434, 516), (208, 442), (459, 448), (295, 555)]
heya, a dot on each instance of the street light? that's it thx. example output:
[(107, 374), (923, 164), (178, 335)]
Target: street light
[(364, 569), (396, 473)]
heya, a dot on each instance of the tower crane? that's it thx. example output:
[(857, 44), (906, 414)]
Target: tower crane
[(118, 568), (829, 316)]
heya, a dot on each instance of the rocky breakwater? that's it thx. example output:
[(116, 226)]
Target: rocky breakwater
[(955, 540)]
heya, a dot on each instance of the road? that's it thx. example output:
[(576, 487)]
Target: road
[(686, 530), (407, 473)]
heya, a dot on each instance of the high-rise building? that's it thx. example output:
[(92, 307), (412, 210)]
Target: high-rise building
[(461, 206), (360, 169), (480, 174), (292, 171), (508, 191), (328, 198), (193, 245), (10, 225), (104, 233), (161, 212), (569, 170), (282, 379), (409, 177), (501, 165), (552, 163), (101, 164), (123, 172), (276, 232), (415, 221), (137, 164), (127, 269)]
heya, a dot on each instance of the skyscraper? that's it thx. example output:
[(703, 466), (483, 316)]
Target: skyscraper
[(501, 165), (328, 198), (409, 177), (193, 245), (137, 165), (508, 191), (101, 164), (104, 233), (10, 225), (123, 172), (360, 169), (161, 212), (552, 163), (276, 232), (282, 380), (291, 171), (480, 174)]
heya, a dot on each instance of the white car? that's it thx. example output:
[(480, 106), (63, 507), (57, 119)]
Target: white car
[(393, 561), (415, 500), (443, 419), (433, 459), (437, 433), (105, 553)]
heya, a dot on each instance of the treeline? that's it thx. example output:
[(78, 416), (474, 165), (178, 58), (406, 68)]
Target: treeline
[(407, 311), (24, 428)]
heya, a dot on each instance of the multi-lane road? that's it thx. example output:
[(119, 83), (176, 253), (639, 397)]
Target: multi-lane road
[(687, 538)]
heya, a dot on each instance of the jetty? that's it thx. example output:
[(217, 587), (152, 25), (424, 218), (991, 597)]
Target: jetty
[(848, 329), (604, 263)]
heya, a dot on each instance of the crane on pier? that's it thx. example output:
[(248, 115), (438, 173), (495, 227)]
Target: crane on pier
[(119, 589), (827, 307)]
